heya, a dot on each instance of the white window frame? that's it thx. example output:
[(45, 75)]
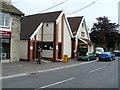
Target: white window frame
[(4, 23)]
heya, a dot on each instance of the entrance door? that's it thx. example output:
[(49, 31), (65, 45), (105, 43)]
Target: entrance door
[(38, 49), (59, 51)]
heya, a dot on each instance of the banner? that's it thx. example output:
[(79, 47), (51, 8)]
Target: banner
[(5, 34)]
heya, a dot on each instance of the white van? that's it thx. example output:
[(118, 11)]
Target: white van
[(99, 50)]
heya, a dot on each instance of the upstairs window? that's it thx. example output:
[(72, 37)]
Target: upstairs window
[(4, 19), (83, 34)]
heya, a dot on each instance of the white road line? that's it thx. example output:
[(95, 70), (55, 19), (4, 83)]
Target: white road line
[(66, 66), (97, 69), (45, 61), (6, 77), (56, 83), (14, 66), (114, 63)]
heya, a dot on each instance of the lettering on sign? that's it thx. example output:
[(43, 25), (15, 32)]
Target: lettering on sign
[(5, 34)]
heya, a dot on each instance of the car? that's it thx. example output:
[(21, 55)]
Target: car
[(106, 56), (99, 50), (89, 56), (116, 52)]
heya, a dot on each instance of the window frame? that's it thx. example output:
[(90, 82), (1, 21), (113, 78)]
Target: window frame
[(4, 17)]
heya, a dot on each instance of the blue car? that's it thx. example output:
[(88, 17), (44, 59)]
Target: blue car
[(106, 56)]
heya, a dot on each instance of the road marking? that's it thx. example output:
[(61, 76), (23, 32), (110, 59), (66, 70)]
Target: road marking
[(65, 66), (46, 61), (114, 63), (56, 83), (6, 77), (97, 69), (14, 66)]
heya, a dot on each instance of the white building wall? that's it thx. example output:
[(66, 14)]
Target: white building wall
[(47, 53), (39, 35), (83, 29), (48, 32), (67, 41), (23, 49)]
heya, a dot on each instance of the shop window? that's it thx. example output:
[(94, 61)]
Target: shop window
[(4, 19), (5, 49), (47, 45)]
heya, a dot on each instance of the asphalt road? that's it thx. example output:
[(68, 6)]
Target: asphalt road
[(98, 74)]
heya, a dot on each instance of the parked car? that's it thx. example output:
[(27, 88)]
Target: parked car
[(106, 56), (116, 52), (99, 50), (89, 56)]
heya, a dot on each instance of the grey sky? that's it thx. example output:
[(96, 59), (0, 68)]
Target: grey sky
[(107, 8)]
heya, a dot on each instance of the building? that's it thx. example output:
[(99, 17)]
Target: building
[(10, 25), (119, 16), (81, 38), (50, 31)]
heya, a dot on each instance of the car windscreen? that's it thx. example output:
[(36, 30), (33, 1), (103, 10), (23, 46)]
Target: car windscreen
[(99, 50), (116, 50)]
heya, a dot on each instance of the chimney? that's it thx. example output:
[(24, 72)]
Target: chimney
[(6, 1)]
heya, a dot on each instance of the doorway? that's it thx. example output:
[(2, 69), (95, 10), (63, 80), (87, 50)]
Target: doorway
[(59, 51), (38, 45)]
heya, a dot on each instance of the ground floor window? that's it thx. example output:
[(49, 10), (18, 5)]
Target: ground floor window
[(47, 45), (5, 49)]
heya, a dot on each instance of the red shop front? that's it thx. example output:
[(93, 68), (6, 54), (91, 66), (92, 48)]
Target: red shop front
[(5, 38)]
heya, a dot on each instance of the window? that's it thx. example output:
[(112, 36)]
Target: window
[(4, 19), (47, 45), (82, 34), (5, 49), (46, 24)]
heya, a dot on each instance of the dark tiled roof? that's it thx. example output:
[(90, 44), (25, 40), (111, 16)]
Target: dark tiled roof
[(88, 41), (30, 23), (9, 8), (74, 23)]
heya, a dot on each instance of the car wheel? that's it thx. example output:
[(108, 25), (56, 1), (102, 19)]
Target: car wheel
[(111, 59), (88, 59)]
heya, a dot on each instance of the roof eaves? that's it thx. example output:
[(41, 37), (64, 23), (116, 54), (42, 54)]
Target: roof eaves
[(36, 31), (59, 17)]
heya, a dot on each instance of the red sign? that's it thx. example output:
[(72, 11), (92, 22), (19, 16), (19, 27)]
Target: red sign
[(5, 34)]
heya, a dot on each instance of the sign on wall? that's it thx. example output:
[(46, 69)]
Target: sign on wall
[(5, 34)]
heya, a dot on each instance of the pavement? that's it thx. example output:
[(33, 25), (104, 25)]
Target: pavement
[(22, 67)]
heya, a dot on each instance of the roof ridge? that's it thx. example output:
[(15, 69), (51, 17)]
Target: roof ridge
[(44, 13)]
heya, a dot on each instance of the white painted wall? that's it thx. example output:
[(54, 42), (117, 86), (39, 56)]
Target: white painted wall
[(83, 29), (48, 32), (23, 49), (67, 41), (47, 53), (39, 35)]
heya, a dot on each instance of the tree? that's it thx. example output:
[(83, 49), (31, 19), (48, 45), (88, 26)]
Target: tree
[(105, 33)]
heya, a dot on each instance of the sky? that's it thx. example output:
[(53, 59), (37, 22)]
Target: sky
[(108, 8)]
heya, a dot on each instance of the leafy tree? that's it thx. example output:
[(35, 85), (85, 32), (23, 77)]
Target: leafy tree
[(105, 33)]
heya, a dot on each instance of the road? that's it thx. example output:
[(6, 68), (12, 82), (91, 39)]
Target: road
[(95, 74)]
